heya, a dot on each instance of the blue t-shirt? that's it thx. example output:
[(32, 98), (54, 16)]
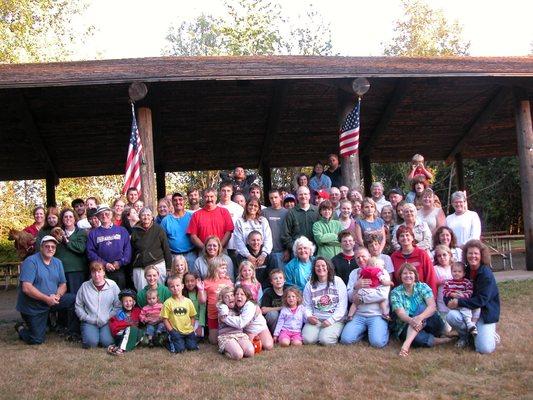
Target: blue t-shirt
[(45, 278), (176, 230)]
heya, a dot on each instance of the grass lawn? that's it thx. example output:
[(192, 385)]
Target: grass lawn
[(60, 370)]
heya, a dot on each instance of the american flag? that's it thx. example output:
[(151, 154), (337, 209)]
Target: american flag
[(349, 133), (132, 177)]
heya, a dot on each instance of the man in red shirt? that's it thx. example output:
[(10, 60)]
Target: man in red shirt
[(210, 220)]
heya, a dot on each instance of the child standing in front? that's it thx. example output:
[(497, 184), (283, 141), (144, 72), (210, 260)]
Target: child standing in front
[(378, 276), (247, 279), (291, 319), (178, 316), (460, 287), (151, 317), (217, 277), (193, 289)]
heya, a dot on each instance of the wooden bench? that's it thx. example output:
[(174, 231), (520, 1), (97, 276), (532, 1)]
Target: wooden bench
[(8, 272)]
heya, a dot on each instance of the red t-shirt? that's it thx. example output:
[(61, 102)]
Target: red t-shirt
[(215, 222)]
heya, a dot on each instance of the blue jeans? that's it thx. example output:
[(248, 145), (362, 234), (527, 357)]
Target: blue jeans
[(485, 340), (152, 330), (74, 281), (118, 276), (375, 327), (272, 320), (35, 331), (178, 342), (92, 335), (434, 326)]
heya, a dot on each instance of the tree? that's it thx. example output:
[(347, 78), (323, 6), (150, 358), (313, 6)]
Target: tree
[(425, 32), (250, 27), (38, 30)]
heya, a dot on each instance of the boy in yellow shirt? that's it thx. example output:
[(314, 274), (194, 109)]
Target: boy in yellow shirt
[(178, 316)]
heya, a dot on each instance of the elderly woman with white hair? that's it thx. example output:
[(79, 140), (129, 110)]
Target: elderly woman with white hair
[(422, 233), (150, 248), (464, 223), (298, 270), (377, 190)]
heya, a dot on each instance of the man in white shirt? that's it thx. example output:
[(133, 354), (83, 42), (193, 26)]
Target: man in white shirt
[(235, 211)]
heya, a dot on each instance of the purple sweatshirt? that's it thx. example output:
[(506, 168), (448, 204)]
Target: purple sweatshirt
[(290, 321), (109, 244)]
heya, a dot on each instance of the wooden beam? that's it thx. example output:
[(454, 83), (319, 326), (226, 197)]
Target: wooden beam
[(279, 94), (481, 120), (34, 137), (266, 174), (351, 175), (460, 172), (51, 190), (524, 133), (160, 184), (367, 175), (399, 93), (148, 186)]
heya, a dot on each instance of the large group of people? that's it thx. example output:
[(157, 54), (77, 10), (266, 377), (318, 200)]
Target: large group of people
[(322, 264)]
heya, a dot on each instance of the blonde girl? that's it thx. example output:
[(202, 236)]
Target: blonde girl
[(179, 266), (247, 279), (291, 319), (217, 277), (232, 341)]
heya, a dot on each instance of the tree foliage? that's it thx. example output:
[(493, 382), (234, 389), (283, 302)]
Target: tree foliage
[(38, 30), (250, 27), (425, 32)]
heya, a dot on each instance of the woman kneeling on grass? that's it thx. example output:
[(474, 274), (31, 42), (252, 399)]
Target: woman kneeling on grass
[(232, 341), (486, 296), (96, 302), (417, 321), (249, 318), (325, 302)]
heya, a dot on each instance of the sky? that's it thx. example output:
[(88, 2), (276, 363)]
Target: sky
[(137, 28)]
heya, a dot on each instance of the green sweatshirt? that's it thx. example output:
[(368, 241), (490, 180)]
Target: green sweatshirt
[(326, 237)]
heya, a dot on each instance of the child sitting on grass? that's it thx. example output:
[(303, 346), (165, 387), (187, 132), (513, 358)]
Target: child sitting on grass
[(232, 341), (194, 290), (151, 317), (178, 316), (378, 276), (460, 287), (124, 325), (291, 319)]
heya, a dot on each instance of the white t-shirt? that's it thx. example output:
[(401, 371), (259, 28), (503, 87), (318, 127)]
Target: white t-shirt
[(465, 226), (235, 211)]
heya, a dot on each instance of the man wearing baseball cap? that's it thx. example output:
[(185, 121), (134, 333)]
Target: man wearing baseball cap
[(43, 288)]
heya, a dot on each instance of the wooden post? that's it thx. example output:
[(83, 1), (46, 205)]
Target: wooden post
[(367, 175), (160, 184), (351, 176), (51, 182), (148, 186), (524, 133), (266, 174), (460, 171)]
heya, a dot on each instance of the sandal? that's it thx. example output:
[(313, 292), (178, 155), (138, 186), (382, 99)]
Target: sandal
[(403, 352), (114, 350)]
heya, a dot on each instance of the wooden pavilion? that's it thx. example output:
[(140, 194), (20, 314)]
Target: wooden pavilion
[(73, 119)]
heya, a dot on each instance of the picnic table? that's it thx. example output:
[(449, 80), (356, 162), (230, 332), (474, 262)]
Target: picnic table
[(501, 243), (9, 271)]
